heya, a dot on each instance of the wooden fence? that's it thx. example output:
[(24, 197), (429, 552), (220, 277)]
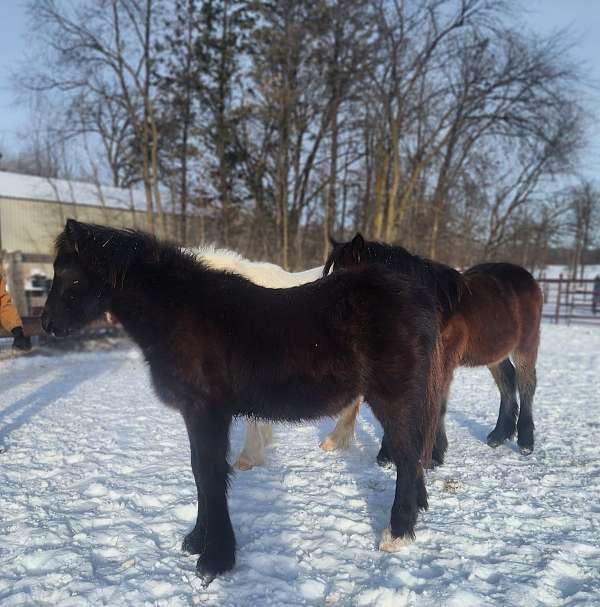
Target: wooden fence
[(571, 300)]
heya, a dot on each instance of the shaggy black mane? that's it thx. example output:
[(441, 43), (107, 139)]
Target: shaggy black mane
[(112, 250)]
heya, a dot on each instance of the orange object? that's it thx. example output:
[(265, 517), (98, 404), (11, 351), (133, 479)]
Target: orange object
[(9, 317)]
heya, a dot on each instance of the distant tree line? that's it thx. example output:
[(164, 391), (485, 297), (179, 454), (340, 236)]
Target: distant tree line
[(436, 124)]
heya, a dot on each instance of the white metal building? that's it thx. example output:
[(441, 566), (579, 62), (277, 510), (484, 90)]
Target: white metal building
[(33, 211)]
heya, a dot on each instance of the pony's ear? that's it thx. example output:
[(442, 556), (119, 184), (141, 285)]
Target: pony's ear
[(334, 243), (76, 233), (73, 230), (358, 247)]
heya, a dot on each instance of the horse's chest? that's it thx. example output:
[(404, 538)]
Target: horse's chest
[(179, 381)]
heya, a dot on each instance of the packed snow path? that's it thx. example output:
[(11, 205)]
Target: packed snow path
[(96, 493)]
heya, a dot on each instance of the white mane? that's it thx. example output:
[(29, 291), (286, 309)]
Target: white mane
[(261, 273)]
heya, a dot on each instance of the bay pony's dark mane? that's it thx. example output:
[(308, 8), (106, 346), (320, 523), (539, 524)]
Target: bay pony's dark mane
[(445, 282)]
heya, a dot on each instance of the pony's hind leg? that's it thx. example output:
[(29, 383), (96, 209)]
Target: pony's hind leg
[(258, 437), (422, 503), (212, 537), (441, 441), (527, 382), (506, 379), (410, 496), (341, 436), (384, 459)]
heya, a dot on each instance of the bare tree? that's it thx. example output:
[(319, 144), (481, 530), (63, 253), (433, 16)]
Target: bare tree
[(584, 209), (102, 59), (434, 123)]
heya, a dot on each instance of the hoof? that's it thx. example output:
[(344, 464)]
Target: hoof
[(525, 450), (191, 543), (502, 432), (422, 503), (384, 462), (389, 543), (495, 440), (208, 567), (328, 444), (205, 577), (244, 464), (436, 461)]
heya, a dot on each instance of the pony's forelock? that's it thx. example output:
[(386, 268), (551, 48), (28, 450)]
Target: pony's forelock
[(91, 246)]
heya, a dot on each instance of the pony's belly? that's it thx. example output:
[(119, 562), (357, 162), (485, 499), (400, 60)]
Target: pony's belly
[(486, 352), (295, 405), (492, 334)]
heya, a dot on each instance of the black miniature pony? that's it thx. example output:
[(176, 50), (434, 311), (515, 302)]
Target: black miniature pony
[(489, 313), (219, 346)]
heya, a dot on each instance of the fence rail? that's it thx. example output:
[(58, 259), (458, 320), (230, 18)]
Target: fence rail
[(571, 300)]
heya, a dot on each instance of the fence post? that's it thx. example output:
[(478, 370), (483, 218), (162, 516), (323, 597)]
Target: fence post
[(558, 298), (569, 300)]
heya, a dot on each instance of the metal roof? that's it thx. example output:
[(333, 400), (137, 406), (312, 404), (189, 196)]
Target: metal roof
[(16, 185)]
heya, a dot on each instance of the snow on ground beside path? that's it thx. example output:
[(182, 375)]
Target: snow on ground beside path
[(96, 493), (554, 271)]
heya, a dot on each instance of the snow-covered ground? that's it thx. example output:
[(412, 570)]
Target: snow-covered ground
[(554, 271), (96, 493)]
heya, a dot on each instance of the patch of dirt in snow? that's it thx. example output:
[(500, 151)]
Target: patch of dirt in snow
[(97, 493)]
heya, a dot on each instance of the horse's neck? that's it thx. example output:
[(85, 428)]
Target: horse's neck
[(421, 267), (150, 298)]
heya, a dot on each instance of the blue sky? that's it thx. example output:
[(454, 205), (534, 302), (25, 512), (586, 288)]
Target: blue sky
[(541, 15), (13, 26)]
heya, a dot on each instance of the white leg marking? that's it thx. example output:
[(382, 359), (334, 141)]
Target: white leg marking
[(389, 543), (258, 436)]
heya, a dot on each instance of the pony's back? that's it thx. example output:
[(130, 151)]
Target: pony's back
[(261, 273)]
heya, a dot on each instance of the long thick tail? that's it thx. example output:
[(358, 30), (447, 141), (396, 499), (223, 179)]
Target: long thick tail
[(431, 413)]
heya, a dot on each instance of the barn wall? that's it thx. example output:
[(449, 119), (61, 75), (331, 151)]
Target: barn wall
[(28, 229), (30, 226)]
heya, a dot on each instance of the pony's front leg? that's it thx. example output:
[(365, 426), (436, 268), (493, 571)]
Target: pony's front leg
[(212, 537)]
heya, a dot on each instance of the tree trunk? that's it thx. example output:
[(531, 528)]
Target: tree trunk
[(330, 202), (381, 176)]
